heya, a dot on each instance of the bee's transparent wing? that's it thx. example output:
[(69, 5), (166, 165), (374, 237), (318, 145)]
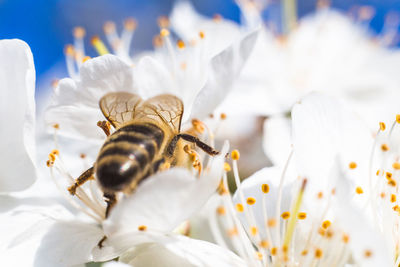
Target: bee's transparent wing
[(119, 107), (162, 109)]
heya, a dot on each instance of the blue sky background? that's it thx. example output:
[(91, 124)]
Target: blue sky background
[(46, 24)]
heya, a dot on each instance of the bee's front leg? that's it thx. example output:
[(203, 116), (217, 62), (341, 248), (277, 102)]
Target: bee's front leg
[(83, 178)]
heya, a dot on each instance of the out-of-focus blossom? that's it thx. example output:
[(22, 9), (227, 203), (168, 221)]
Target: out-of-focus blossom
[(17, 106)]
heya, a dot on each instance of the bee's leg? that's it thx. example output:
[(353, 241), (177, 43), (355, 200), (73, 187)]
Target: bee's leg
[(105, 126), (156, 165), (86, 176), (111, 200), (203, 146)]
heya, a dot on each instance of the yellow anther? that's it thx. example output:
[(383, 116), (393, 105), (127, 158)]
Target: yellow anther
[(274, 250), (318, 253), (49, 163), (82, 155), (320, 195), (304, 252), (163, 21), (367, 253), (329, 233), (384, 147), (109, 27), (222, 189), (393, 198), (221, 210), (239, 207), (193, 156), (285, 215), (271, 222), (164, 32), (396, 165), (389, 175), (142, 228), (383, 195), (198, 125), (52, 157), (352, 165), (302, 216), (165, 166), (69, 50), (264, 244), (180, 44), (157, 41), (99, 46), (130, 24), (253, 230), (259, 255), (251, 200), (398, 118), (326, 224), (227, 167), (235, 154), (378, 172), (223, 116), (85, 59), (345, 238), (333, 191), (201, 34), (232, 232), (396, 208), (359, 190), (285, 249), (56, 126), (321, 231), (265, 188), (55, 152), (382, 126), (79, 32), (183, 67), (392, 182)]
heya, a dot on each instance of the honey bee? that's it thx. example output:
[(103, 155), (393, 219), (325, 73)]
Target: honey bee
[(145, 137)]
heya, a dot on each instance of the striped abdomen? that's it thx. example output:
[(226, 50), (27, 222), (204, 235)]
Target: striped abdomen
[(127, 156)]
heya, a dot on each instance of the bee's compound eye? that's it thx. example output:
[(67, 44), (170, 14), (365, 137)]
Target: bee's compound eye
[(116, 176)]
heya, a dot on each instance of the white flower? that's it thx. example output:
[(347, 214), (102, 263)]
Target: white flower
[(17, 80)]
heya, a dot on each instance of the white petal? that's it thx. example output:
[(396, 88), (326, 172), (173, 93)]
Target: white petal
[(277, 140), (17, 106), (164, 200), (68, 243), (181, 251), (224, 70), (322, 129)]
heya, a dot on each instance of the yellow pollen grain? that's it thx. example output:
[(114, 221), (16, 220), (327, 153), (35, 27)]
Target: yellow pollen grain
[(388, 175), (235, 154), (223, 116), (285, 215), (326, 224), (251, 201), (398, 118), (302, 216), (384, 147), (55, 152), (359, 190), (232, 232), (382, 126), (271, 222), (130, 24), (367, 253), (239, 207), (79, 32), (264, 244), (393, 198), (201, 35), (396, 165), (320, 195), (345, 238), (392, 182), (253, 230), (318, 253), (265, 188), (352, 165), (221, 210), (227, 167), (142, 228), (259, 255), (180, 44), (164, 32), (274, 250), (304, 252)]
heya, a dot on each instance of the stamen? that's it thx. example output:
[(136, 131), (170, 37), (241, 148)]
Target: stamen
[(251, 200), (201, 35), (326, 224), (99, 46), (221, 210), (79, 32), (359, 190), (235, 154), (382, 126), (384, 147), (352, 165), (265, 188), (318, 253), (180, 44), (130, 24), (239, 207), (163, 22), (398, 118), (142, 228), (302, 216), (227, 167), (367, 253)]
